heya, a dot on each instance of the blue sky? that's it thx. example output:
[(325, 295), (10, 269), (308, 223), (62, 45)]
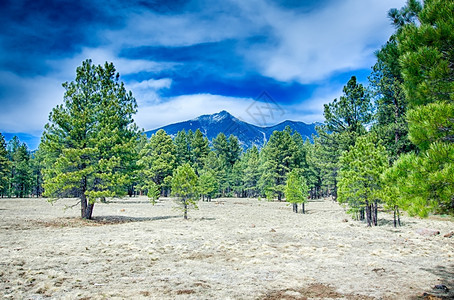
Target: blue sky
[(182, 59)]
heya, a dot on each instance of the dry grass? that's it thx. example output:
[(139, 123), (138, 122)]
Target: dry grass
[(228, 249)]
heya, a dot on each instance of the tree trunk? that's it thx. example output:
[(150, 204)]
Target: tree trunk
[(89, 211), (395, 215), (361, 214), (86, 209), (302, 208), (376, 213), (368, 213), (295, 207), (185, 207)]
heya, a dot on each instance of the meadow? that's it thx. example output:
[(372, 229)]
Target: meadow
[(228, 249)]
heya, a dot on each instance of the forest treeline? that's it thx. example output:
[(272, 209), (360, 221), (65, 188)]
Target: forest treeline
[(389, 142)]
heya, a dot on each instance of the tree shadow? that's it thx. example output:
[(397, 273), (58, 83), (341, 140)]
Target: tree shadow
[(445, 288), (127, 219), (390, 222)]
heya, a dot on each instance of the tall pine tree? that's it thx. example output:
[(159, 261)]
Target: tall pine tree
[(91, 138)]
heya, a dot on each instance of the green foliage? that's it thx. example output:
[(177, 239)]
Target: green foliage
[(208, 184), (5, 167), (21, 171), (424, 183), (199, 150), (351, 112), (228, 167), (37, 166), (182, 148), (153, 191), (157, 160), (359, 176), (251, 173), (391, 104), (431, 123), (427, 58), (185, 187), (345, 120), (236, 178), (90, 140), (278, 157), (296, 189)]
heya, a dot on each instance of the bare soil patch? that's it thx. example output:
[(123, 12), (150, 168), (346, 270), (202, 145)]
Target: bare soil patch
[(228, 249)]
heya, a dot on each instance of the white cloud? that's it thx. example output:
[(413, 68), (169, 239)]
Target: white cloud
[(187, 107), (310, 47), (303, 46), (147, 92), (66, 68), (27, 110)]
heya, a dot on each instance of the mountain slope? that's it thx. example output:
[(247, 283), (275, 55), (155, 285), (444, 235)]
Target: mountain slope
[(248, 134)]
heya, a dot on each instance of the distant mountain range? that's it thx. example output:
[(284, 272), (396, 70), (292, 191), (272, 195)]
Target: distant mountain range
[(247, 134)]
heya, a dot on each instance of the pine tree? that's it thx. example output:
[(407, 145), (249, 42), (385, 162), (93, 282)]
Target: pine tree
[(424, 183), (391, 103), (313, 170), (5, 167), (21, 172), (251, 173), (36, 173), (208, 184), (236, 178), (182, 147), (359, 177), (233, 150), (345, 120), (185, 187), (278, 157), (426, 52), (296, 189), (157, 161), (199, 150), (90, 140)]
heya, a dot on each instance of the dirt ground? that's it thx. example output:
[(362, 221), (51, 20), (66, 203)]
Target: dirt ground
[(228, 249)]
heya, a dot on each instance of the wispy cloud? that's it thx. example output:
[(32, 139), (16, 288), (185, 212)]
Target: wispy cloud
[(184, 58)]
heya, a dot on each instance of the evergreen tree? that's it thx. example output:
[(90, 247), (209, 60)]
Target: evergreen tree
[(391, 104), (185, 187), (208, 185), (36, 173), (182, 147), (278, 157), (91, 138), (424, 183), (21, 172), (220, 146), (345, 120), (426, 52), (314, 167), (157, 161), (296, 189), (251, 173), (359, 177), (233, 150), (5, 167), (199, 150), (236, 178), (217, 165)]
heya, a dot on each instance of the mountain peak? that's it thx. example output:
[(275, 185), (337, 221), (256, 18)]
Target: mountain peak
[(217, 117), (247, 134)]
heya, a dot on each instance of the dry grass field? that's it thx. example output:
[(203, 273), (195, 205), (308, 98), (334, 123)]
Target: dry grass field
[(228, 249)]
